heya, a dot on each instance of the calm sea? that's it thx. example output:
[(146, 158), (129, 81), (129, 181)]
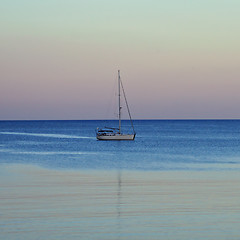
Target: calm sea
[(178, 180), (159, 145)]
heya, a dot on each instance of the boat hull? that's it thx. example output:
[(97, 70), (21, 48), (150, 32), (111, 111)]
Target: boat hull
[(117, 137)]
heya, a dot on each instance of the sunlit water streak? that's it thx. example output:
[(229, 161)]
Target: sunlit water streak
[(44, 135)]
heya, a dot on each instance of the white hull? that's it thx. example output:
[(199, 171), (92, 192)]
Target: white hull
[(116, 137)]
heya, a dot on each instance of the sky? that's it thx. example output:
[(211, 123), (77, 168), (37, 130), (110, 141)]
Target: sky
[(179, 59)]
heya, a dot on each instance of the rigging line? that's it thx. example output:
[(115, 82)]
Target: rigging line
[(127, 106)]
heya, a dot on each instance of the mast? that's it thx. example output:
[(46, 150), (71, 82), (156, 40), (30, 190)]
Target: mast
[(119, 101)]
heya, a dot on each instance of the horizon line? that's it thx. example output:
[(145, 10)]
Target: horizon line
[(137, 119)]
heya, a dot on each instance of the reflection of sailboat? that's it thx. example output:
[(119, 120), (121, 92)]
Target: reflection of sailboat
[(119, 194), (109, 133), (119, 205)]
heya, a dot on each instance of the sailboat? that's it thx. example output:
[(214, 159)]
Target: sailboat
[(113, 133)]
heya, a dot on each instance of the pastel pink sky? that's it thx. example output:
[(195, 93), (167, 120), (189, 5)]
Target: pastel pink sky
[(178, 59)]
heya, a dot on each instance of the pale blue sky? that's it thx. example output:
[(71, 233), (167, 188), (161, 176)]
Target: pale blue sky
[(178, 59)]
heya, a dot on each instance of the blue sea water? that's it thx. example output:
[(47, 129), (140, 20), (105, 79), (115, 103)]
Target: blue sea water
[(178, 180), (163, 145)]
